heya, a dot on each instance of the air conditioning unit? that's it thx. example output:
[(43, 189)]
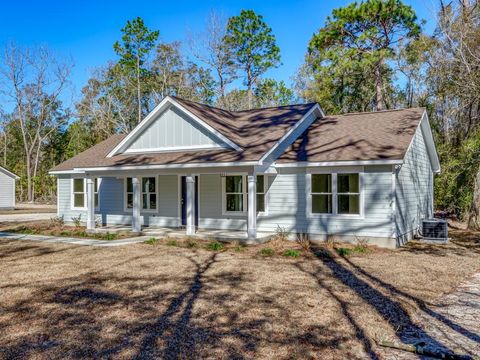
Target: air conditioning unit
[(435, 230)]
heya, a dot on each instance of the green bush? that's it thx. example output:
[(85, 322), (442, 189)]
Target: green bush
[(110, 236), (172, 242), (360, 249), (343, 251), (215, 246), (291, 253), (151, 241), (267, 252)]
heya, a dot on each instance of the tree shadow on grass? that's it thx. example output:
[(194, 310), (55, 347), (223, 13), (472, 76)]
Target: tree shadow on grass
[(419, 302), (391, 310), (193, 310)]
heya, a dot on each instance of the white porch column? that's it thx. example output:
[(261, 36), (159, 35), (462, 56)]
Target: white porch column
[(90, 204), (252, 207), (190, 213), (136, 226)]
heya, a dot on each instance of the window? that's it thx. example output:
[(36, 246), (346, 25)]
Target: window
[(234, 193), (149, 193), (260, 193), (79, 193), (148, 196), (348, 190), (322, 194), (96, 187), (335, 193)]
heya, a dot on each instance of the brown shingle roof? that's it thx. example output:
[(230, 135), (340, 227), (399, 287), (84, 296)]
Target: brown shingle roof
[(360, 136), (255, 131), (383, 135)]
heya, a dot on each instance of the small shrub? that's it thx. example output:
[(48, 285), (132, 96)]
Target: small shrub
[(191, 243), (281, 233), (291, 253), (343, 251), (215, 246), (65, 233), (57, 221), (267, 252), (151, 241), (77, 220), (304, 241), (331, 239), (172, 242), (110, 236), (362, 246)]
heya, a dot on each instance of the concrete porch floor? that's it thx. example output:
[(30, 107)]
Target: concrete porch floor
[(206, 234)]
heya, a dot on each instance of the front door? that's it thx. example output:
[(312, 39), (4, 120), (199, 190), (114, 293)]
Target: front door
[(184, 201)]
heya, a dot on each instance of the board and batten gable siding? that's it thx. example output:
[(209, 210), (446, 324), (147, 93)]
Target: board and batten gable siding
[(7, 191), (173, 129), (413, 189), (112, 203)]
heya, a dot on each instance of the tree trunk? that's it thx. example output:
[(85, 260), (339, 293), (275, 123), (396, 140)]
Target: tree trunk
[(29, 179), (379, 99), (139, 100), (474, 215)]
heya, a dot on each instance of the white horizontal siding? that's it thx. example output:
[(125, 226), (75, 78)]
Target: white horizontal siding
[(7, 191), (414, 188), (112, 197), (288, 206)]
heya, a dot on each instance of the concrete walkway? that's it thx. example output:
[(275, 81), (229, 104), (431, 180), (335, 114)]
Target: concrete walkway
[(12, 217), (73, 241)]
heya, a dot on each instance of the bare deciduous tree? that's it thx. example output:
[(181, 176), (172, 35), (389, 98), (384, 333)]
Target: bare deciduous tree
[(32, 80)]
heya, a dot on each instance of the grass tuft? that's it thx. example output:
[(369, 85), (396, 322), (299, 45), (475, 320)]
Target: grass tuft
[(172, 242), (291, 253), (215, 246), (267, 252), (151, 241)]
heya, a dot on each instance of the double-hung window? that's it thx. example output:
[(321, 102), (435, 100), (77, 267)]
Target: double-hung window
[(148, 196), (79, 193), (322, 194), (335, 193), (236, 193), (261, 193), (348, 194)]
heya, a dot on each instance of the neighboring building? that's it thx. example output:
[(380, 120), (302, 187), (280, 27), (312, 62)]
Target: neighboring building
[(7, 189), (363, 175)]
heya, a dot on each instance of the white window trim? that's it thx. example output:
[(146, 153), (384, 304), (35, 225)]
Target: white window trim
[(72, 194), (245, 195), (334, 172), (142, 210)]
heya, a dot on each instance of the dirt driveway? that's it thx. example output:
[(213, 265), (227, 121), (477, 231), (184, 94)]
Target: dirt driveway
[(147, 301), (28, 212)]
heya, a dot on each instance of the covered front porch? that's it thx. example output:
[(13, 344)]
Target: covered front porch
[(218, 204), (210, 234)]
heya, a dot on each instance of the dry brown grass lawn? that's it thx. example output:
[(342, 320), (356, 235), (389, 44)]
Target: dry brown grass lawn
[(144, 301)]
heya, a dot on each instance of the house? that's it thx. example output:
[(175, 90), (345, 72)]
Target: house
[(361, 175), (7, 189)]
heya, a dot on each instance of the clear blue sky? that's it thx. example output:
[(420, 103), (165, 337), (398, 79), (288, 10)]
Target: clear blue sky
[(86, 30)]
